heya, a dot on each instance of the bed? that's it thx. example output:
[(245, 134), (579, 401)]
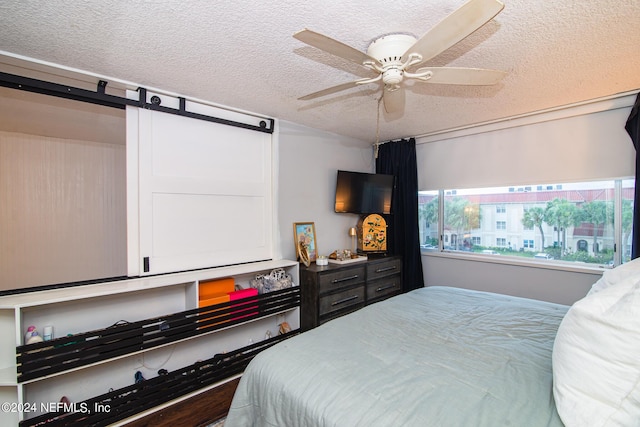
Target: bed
[(436, 356)]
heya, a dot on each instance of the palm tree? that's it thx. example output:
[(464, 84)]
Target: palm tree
[(560, 213), (428, 214), (461, 216), (597, 212), (534, 217)]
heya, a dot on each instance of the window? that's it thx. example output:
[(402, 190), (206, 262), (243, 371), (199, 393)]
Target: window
[(428, 220), (587, 222)]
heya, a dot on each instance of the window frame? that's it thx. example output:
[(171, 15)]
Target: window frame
[(568, 265)]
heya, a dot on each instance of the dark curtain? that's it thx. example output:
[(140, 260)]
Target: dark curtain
[(633, 128), (399, 158)]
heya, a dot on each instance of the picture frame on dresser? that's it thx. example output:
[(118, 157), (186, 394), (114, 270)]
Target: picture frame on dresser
[(304, 235)]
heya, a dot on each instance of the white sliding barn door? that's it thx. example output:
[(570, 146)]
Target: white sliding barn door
[(204, 193)]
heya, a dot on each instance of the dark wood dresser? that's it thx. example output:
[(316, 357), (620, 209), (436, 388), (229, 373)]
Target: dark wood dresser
[(337, 289)]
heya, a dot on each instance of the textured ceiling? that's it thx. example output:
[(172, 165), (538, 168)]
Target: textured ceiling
[(242, 54)]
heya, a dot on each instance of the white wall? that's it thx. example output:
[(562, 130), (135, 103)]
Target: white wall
[(308, 160), (586, 142)]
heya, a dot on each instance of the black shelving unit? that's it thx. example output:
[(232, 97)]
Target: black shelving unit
[(62, 354), (119, 404)]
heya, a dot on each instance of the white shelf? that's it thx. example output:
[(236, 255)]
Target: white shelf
[(54, 296), (93, 307)]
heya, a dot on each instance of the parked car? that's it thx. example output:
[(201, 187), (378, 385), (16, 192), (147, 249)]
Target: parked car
[(542, 256), (490, 252)]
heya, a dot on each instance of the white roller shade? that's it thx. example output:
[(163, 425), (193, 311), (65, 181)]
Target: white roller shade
[(581, 143)]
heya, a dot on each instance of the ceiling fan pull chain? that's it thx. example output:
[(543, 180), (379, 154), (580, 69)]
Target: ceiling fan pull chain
[(377, 143)]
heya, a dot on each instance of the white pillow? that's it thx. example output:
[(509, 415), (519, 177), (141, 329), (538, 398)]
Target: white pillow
[(596, 359), (626, 271)]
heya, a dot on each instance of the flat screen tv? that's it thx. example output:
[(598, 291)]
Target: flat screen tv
[(363, 193)]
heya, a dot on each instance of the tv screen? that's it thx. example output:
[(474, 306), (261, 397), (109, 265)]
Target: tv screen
[(363, 193)]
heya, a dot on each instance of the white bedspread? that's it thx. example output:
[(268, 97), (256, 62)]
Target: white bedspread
[(437, 356)]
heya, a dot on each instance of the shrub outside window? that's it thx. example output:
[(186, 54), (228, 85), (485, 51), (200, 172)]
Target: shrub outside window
[(588, 222)]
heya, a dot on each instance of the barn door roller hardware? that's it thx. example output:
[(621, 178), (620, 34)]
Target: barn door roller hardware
[(100, 97)]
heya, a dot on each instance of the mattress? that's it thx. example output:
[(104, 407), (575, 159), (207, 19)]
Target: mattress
[(436, 356)]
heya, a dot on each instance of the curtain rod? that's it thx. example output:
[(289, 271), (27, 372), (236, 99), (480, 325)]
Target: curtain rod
[(377, 144)]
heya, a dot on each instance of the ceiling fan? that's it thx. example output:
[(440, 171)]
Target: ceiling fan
[(392, 55)]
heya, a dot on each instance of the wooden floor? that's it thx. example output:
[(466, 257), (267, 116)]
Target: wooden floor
[(199, 411)]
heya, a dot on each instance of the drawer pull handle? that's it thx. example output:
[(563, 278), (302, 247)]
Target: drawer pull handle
[(344, 279), (342, 301), (382, 270), (384, 288)]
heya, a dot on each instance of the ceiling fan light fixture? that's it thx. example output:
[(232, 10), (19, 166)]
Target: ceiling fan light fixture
[(392, 76), (389, 49), (391, 55)]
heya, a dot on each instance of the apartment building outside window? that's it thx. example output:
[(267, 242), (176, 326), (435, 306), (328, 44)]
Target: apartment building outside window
[(587, 222)]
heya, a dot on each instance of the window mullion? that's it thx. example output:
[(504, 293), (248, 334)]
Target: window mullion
[(441, 220), (617, 222)]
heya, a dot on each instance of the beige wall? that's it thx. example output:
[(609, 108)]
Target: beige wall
[(308, 163)]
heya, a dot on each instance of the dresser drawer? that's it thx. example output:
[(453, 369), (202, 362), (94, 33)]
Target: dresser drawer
[(331, 281), (384, 287), (334, 290), (383, 268), (342, 300)]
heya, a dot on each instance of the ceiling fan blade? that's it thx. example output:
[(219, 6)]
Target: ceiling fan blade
[(393, 100), (329, 91), (455, 27), (332, 46), (460, 76)]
